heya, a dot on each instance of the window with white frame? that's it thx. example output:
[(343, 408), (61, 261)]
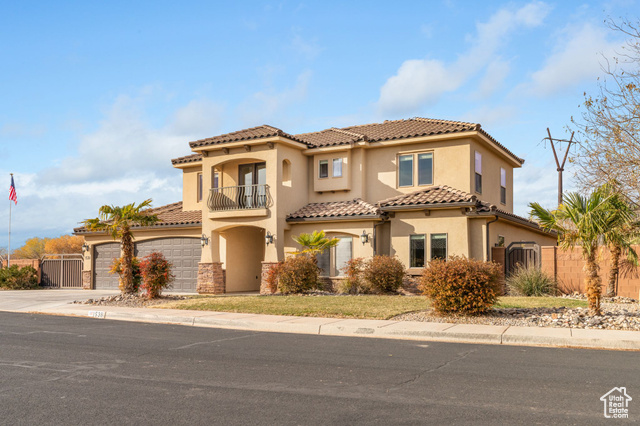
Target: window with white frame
[(337, 167), (478, 169), (405, 170), (332, 261), (503, 186), (425, 168)]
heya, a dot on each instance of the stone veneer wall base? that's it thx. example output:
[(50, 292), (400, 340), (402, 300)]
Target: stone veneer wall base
[(211, 278)]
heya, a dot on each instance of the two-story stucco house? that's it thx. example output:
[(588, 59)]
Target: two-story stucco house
[(416, 189)]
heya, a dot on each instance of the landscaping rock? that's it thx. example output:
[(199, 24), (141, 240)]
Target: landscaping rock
[(623, 315), (129, 300)]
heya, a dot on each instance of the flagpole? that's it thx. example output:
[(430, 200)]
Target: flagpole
[(9, 248)]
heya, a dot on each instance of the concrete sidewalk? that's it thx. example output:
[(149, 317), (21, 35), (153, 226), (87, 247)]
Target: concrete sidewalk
[(57, 302)]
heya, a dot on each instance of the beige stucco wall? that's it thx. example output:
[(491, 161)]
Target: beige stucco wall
[(491, 164), (243, 253), (446, 221), (448, 169), (515, 233), (331, 182), (190, 188)]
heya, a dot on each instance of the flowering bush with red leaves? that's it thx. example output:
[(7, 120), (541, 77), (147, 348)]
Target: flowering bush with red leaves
[(461, 286), (156, 274)]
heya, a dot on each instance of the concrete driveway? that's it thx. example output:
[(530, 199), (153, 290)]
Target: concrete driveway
[(36, 300)]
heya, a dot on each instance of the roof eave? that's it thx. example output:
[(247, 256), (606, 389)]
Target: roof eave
[(335, 218), (510, 218)]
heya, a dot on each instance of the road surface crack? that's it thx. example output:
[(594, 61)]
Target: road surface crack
[(460, 356)]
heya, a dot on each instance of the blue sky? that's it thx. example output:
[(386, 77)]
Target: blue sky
[(97, 98)]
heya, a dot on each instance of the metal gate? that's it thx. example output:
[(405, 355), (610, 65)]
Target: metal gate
[(525, 254), (61, 271)]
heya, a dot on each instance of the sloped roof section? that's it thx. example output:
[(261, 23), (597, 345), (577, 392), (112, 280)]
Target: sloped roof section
[(336, 209), (193, 158), (435, 195), (259, 132), (170, 215)]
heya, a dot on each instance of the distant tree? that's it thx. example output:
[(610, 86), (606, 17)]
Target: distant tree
[(609, 128), (117, 221), (66, 244), (33, 248)]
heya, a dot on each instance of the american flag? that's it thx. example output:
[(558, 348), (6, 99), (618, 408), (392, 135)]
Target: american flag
[(12, 192)]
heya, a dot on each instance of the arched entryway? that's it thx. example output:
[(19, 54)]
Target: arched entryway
[(243, 255)]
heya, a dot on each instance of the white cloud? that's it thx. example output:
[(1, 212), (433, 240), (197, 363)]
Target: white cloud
[(126, 159), (420, 82), (577, 58), (266, 105), (538, 182), (494, 75), (490, 116), (307, 48)]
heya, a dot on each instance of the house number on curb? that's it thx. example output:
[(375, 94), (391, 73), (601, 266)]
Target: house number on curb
[(97, 314)]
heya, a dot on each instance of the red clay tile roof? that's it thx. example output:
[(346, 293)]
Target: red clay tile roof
[(193, 158), (169, 215), (435, 195), (374, 132), (352, 208), (259, 132)]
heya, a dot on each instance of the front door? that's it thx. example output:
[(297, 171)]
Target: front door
[(252, 179)]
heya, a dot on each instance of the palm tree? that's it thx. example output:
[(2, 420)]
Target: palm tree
[(583, 221), (315, 242), (118, 221), (620, 237)]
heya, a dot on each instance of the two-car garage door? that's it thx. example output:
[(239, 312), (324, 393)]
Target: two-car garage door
[(183, 253)]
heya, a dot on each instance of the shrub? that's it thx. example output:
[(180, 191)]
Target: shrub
[(384, 274), (354, 282), (272, 277), (531, 282), (17, 278), (116, 268), (298, 274), (156, 274), (461, 286)]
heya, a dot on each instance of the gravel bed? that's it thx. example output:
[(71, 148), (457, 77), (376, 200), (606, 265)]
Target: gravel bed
[(615, 316), (129, 300)]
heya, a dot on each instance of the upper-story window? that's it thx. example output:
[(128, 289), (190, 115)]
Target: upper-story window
[(503, 186), (215, 180), (323, 169), (337, 167), (423, 172), (478, 169), (200, 189)]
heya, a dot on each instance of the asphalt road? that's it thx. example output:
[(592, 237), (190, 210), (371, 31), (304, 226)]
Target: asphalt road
[(81, 371)]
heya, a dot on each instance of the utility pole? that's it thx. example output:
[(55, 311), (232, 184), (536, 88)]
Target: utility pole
[(564, 160)]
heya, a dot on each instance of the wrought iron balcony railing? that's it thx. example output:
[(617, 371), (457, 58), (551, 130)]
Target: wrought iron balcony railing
[(243, 197)]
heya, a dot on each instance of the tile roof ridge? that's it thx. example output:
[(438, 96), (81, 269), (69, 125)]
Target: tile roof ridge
[(346, 132), (439, 120), (378, 124)]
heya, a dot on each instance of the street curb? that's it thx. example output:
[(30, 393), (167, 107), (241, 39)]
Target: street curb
[(387, 329)]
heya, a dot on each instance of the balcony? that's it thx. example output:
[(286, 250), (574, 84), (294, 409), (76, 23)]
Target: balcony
[(255, 198)]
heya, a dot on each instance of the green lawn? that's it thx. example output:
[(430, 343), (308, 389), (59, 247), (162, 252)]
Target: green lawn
[(370, 307)]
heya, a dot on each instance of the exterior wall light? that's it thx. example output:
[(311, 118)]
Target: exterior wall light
[(364, 238), (204, 241), (85, 247), (268, 238)]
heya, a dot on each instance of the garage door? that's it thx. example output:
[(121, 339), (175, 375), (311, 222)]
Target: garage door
[(183, 253), (103, 256)]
